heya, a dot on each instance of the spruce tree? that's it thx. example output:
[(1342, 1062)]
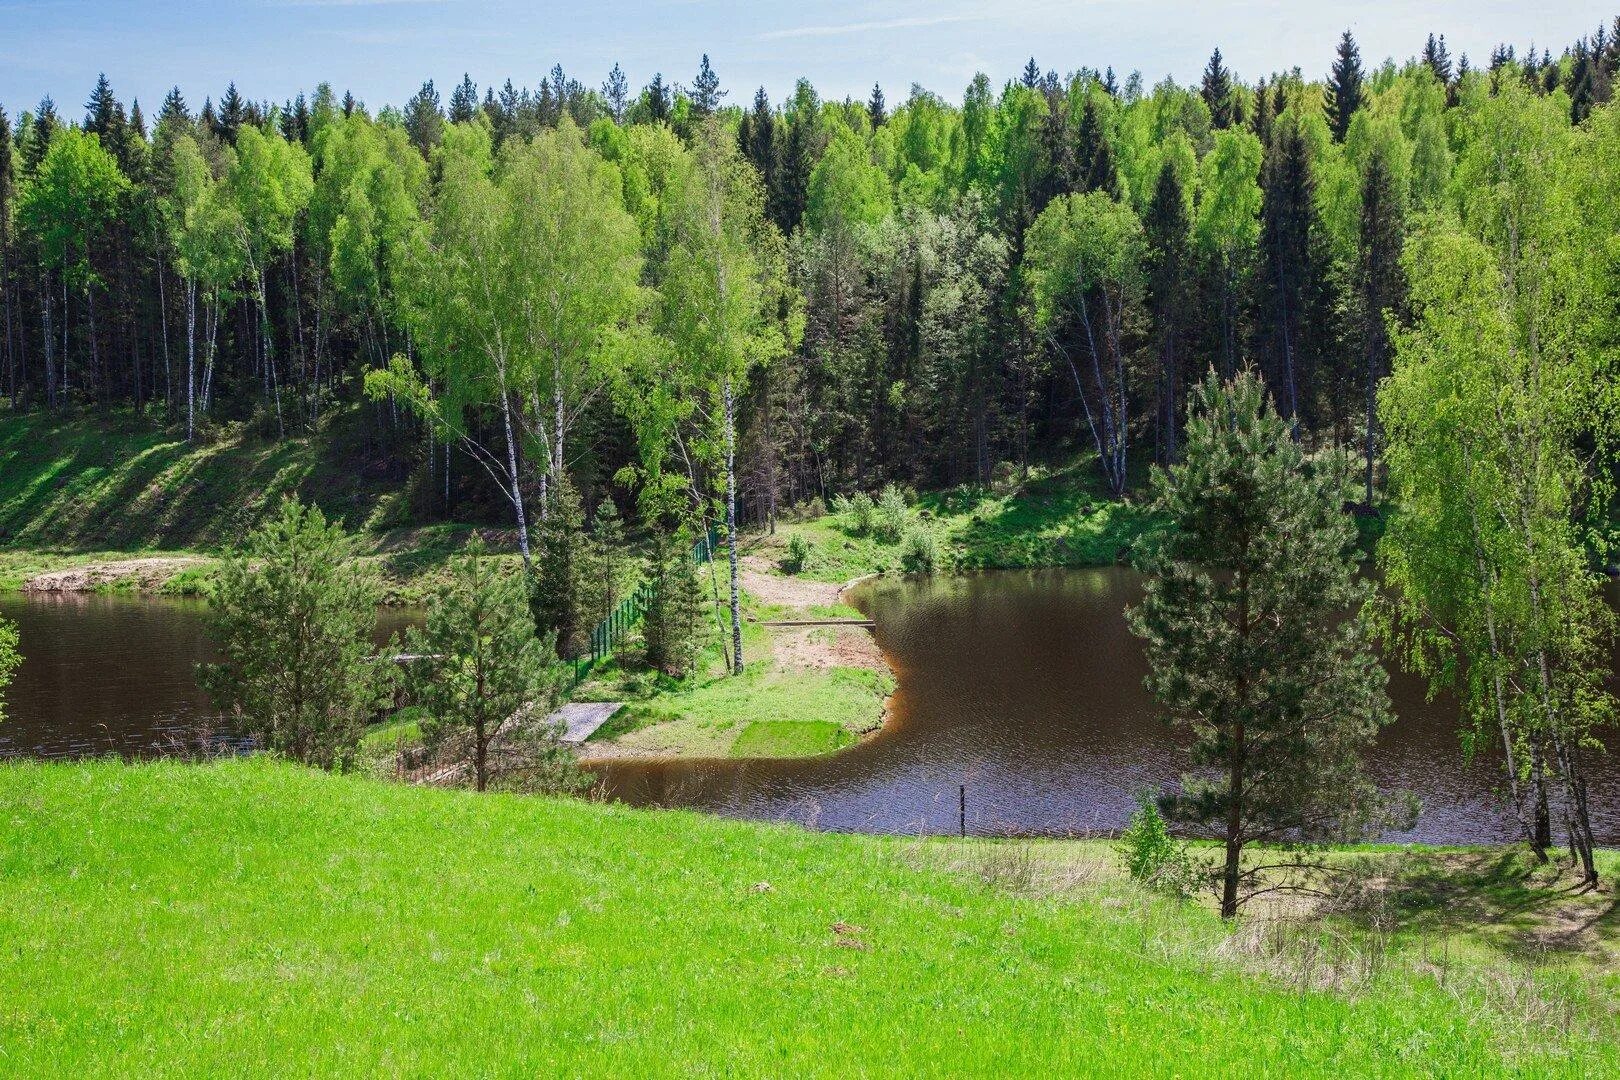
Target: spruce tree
[(670, 625), (231, 115), (557, 593), (1379, 292), (1248, 642), (1168, 225), (40, 134), (875, 107), (1217, 91), (655, 100), (1438, 58), (1344, 90), (1032, 74)]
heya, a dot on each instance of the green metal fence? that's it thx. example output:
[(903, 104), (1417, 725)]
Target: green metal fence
[(613, 629)]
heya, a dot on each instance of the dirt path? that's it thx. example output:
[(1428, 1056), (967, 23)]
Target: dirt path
[(808, 648), (149, 573)]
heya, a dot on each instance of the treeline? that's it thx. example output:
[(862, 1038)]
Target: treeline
[(937, 290)]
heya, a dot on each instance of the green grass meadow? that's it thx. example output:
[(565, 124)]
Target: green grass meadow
[(251, 918)]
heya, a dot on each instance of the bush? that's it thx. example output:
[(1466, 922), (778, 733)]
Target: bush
[(890, 515), (862, 513), (798, 552), (814, 510), (920, 552), (1154, 857), (840, 504)]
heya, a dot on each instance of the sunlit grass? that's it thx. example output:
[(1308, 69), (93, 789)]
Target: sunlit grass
[(251, 918)]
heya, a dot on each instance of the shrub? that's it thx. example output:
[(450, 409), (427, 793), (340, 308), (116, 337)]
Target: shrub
[(1154, 857), (862, 512), (890, 515), (920, 552), (798, 552), (840, 504), (814, 510)]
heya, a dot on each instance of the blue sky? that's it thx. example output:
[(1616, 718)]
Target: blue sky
[(383, 49)]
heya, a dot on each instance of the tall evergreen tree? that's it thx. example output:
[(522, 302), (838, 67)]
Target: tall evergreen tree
[(1379, 292), (875, 107), (1344, 90), (1247, 640), (616, 92), (230, 115), (656, 100), (424, 120), (464, 101), (1289, 269), (1438, 58), (706, 92), (1168, 228), (1217, 91)]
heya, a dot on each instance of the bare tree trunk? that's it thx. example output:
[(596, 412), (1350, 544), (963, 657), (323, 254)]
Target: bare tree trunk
[(728, 401), (515, 489)]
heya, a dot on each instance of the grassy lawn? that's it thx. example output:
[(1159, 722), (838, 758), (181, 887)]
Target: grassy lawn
[(252, 918), (1058, 518)]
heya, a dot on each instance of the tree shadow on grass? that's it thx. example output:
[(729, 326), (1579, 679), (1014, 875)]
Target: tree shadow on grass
[(1503, 899)]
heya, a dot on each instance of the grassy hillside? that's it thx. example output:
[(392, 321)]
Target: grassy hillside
[(253, 918)]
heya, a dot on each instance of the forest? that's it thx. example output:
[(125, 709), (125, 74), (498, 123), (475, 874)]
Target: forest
[(934, 290)]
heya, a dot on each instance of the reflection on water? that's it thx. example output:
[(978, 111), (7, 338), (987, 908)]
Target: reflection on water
[(1024, 686), (1027, 688), (111, 674)]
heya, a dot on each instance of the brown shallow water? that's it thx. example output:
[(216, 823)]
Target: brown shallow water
[(1027, 688), (112, 674)]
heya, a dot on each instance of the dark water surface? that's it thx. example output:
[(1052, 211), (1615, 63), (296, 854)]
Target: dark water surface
[(112, 674), (1027, 688)]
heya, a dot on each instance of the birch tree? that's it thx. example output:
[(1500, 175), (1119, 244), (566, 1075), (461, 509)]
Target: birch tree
[(724, 292), (1085, 259)]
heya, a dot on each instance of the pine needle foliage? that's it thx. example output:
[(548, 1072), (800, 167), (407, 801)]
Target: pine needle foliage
[(1253, 638)]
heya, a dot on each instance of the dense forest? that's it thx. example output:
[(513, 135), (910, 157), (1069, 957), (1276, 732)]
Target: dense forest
[(934, 291)]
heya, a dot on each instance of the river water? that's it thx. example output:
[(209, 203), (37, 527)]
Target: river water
[(1023, 687)]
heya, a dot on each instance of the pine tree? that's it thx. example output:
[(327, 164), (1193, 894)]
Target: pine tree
[(875, 107), (1344, 87), (1217, 91), (350, 105), (706, 92), (1110, 85), (293, 614), (174, 111), (616, 92), (480, 669), (1032, 74), (424, 120), (464, 101), (1248, 642), (103, 115)]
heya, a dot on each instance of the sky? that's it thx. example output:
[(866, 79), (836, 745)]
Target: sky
[(382, 50)]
